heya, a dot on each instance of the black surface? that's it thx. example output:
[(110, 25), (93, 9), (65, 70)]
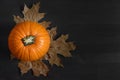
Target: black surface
[(92, 25)]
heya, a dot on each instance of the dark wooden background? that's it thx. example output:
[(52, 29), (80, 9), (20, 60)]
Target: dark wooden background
[(93, 25)]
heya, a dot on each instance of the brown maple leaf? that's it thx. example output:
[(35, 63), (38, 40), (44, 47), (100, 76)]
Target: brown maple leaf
[(30, 14), (24, 66), (52, 57), (45, 23), (39, 68), (58, 46), (62, 47)]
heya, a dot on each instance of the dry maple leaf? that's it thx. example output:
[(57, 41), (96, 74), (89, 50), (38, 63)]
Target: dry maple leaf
[(24, 66), (45, 23), (58, 46), (30, 14), (53, 58), (62, 47), (39, 68)]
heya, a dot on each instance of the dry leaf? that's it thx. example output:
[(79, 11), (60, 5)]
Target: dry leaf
[(30, 14), (17, 19), (24, 66), (62, 47), (45, 24), (52, 33), (58, 46), (39, 68), (53, 58)]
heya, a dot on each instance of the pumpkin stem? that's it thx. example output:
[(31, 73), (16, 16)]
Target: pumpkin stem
[(28, 40)]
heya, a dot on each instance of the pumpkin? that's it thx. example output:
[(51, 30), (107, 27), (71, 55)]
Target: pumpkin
[(29, 41)]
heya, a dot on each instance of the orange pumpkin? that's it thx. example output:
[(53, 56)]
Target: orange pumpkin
[(29, 41)]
